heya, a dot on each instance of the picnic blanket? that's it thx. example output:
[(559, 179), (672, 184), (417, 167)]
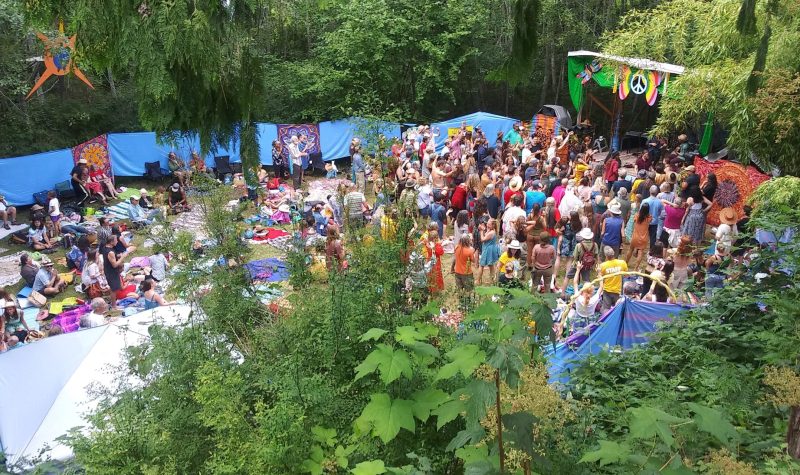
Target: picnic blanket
[(192, 221), (320, 189), (9, 269), (271, 233), (7, 232), (118, 211), (70, 320), (267, 270), (128, 192)]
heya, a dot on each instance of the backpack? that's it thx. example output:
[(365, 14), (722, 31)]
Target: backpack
[(588, 259)]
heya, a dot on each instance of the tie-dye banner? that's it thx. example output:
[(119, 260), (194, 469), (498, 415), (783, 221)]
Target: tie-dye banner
[(311, 144), (96, 153)]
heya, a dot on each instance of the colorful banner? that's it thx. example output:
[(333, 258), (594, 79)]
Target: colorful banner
[(621, 79), (545, 127), (95, 152), (735, 184)]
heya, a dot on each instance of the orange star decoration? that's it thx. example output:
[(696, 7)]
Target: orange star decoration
[(58, 53)]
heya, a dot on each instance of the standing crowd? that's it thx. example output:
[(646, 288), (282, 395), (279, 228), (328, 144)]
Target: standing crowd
[(542, 211)]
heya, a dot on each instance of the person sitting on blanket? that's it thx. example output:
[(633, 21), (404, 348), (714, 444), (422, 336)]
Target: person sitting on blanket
[(76, 257), (97, 317), (37, 237), (176, 199), (7, 213), (27, 269), (99, 175), (139, 215), (145, 201), (47, 281), (197, 164), (94, 187), (15, 328), (122, 245), (274, 183), (320, 220), (177, 167), (147, 292)]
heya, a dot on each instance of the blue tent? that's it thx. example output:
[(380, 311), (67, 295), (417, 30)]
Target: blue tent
[(489, 123), (624, 326)]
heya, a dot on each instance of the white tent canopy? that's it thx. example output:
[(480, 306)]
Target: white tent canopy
[(639, 63), (44, 386)]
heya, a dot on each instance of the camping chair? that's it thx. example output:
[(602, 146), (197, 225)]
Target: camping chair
[(152, 171), (222, 166), (64, 190), (600, 144)]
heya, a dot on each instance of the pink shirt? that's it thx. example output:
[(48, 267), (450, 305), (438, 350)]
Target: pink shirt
[(674, 217)]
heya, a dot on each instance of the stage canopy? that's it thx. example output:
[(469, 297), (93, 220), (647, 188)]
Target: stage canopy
[(622, 74)]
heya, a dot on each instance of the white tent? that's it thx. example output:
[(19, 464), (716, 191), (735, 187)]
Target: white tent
[(44, 386)]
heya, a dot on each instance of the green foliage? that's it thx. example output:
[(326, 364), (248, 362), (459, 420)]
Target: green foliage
[(745, 80)]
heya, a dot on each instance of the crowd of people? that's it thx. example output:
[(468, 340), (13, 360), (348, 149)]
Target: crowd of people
[(528, 209), (98, 258), (542, 211)]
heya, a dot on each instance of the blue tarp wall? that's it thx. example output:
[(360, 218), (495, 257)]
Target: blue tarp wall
[(20, 177), (623, 326), (489, 123)]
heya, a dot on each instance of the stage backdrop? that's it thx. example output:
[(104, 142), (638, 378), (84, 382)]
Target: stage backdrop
[(96, 153), (311, 131), (735, 183)]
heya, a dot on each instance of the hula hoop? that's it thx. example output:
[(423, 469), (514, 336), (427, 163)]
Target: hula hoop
[(629, 272)]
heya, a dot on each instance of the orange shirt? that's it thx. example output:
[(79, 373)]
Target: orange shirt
[(464, 258)]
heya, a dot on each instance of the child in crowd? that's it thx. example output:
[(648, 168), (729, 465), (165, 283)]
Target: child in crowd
[(54, 210)]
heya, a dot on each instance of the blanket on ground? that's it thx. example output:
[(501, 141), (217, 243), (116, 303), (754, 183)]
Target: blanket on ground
[(9, 269), (268, 270)]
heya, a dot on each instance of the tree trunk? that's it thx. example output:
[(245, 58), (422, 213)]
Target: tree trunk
[(553, 72), (499, 423), (793, 433), (545, 80), (111, 83)]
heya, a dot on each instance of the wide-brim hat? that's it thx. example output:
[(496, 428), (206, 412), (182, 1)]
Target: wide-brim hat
[(515, 184), (175, 187), (586, 234), (37, 208), (82, 161), (514, 245), (46, 261), (614, 207), (728, 216), (411, 183)]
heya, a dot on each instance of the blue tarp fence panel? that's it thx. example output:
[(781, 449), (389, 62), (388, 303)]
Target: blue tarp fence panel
[(625, 326), (491, 124), (21, 177)]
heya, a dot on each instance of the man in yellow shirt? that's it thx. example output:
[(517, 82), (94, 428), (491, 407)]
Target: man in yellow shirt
[(612, 286)]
